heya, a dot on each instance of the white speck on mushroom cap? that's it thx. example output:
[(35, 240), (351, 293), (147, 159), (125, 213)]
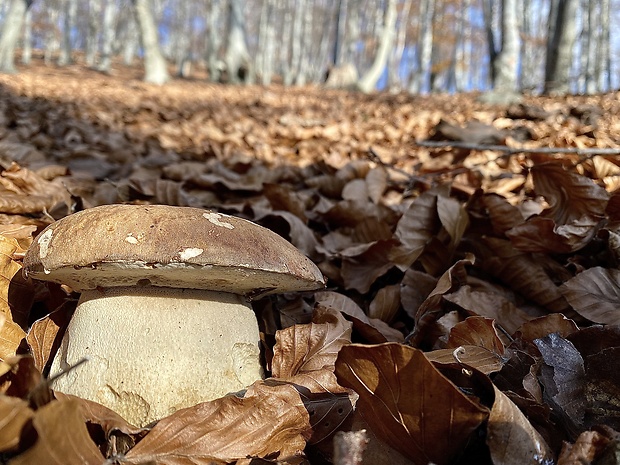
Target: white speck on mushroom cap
[(190, 252), (134, 239), (215, 219), (44, 242)]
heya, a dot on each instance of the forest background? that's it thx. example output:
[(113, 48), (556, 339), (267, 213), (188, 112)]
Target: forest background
[(511, 46)]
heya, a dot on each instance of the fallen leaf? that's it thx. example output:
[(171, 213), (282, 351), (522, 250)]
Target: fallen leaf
[(595, 294), (63, 438), (267, 420), (14, 416), (407, 402), (511, 438)]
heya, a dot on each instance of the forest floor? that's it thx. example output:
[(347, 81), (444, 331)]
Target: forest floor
[(471, 253)]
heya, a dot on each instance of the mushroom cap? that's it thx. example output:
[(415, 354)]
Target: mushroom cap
[(161, 245)]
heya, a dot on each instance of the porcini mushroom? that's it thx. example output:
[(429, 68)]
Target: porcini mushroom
[(163, 316)]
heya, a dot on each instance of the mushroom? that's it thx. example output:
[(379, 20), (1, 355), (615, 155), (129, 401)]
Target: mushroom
[(164, 317)]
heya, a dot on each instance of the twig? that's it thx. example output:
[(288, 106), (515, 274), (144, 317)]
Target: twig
[(512, 150)]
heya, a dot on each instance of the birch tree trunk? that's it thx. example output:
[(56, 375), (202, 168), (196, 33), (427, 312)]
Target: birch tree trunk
[(69, 14), (368, 81), (109, 14), (155, 67), (237, 57), (11, 27), (562, 21)]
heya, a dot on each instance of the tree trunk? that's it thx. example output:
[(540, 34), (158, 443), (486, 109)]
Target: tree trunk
[(214, 41), (109, 13), (562, 35), (10, 34), (368, 81), (394, 80), (237, 57), (92, 36), (155, 67), (506, 61), (424, 47), (70, 13), (27, 38)]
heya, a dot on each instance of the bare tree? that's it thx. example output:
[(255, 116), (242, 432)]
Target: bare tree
[(155, 66), (27, 38), (504, 57), (69, 15), (10, 34), (369, 80), (237, 58), (561, 38), (424, 47), (109, 14)]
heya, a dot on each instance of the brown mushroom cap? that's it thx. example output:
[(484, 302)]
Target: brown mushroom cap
[(126, 245)]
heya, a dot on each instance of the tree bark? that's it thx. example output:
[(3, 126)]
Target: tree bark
[(419, 76), (506, 61), (214, 41), (92, 36), (562, 35), (27, 38), (237, 56), (155, 66), (70, 12), (109, 13), (10, 34), (368, 81)]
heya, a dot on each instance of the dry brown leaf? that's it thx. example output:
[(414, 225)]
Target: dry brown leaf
[(511, 438), (408, 403), (576, 208), (11, 335), (431, 310), (362, 265), (477, 331), (503, 215), (415, 230), (62, 438), (269, 419), (306, 348), (544, 325), (372, 329), (43, 336), (376, 180), (453, 218), (588, 448), (385, 304), (473, 356), (524, 274), (595, 294), (16, 293), (14, 416), (415, 288), (489, 305)]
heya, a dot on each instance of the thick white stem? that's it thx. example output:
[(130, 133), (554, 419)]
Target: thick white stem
[(154, 350)]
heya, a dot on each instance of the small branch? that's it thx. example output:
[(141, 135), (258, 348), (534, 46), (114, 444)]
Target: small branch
[(512, 150)]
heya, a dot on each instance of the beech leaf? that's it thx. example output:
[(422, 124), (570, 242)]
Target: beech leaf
[(269, 419), (511, 438), (595, 294), (62, 438), (407, 402)]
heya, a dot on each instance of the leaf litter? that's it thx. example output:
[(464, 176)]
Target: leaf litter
[(471, 312)]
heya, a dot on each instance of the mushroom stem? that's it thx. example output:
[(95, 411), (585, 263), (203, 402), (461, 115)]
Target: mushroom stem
[(154, 350)]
